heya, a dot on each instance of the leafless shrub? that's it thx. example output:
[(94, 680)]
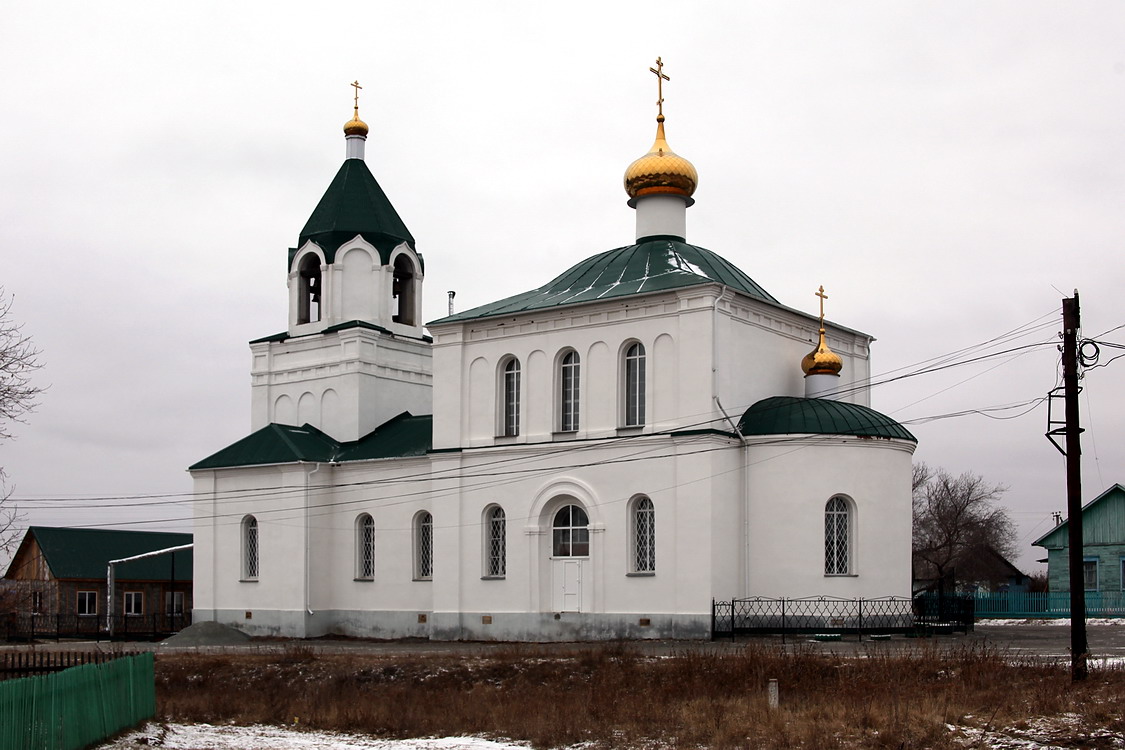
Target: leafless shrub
[(620, 696)]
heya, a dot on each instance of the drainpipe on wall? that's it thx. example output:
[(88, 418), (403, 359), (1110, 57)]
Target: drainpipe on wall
[(308, 568)]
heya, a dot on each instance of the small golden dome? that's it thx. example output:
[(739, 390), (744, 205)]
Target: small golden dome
[(355, 126), (660, 171), (822, 360)]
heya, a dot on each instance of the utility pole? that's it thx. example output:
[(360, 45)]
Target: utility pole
[(1078, 647)]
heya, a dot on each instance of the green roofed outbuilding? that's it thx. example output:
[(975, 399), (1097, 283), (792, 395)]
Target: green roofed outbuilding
[(56, 582)]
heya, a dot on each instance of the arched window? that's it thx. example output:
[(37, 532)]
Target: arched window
[(402, 291), (308, 289), (510, 399), (250, 548), (837, 533), (633, 386), (495, 542), (424, 546), (644, 536), (569, 377), (364, 547), (571, 533)]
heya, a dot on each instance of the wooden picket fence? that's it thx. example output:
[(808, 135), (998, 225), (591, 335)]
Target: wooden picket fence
[(76, 706)]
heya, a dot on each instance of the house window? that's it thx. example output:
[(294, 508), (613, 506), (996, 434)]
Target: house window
[(1090, 573), (402, 291), (308, 289), (1122, 578), (571, 533), (173, 602), (569, 377), (634, 385), (364, 547), (424, 547), (496, 528), (36, 601), (837, 522), (250, 548), (134, 603), (510, 398), (644, 536), (87, 603)]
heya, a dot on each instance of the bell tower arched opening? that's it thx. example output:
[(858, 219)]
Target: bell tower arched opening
[(403, 292), (308, 290)]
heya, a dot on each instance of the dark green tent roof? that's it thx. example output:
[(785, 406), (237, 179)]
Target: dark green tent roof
[(788, 415), (654, 264), (402, 436), (354, 204), (84, 553)]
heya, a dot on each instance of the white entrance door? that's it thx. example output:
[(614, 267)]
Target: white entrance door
[(571, 587), (567, 585)]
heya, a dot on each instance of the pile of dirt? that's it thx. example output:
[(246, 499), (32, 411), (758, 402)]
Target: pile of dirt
[(207, 634)]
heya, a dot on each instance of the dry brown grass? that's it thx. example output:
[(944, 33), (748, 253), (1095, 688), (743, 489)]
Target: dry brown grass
[(618, 696)]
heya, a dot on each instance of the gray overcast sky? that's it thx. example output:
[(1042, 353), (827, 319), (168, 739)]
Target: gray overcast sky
[(948, 170)]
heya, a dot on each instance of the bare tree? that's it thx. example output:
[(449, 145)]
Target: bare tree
[(959, 526), (19, 359)]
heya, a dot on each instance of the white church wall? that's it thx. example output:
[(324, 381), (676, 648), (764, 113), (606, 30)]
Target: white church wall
[(359, 276), (373, 377), (789, 486), (761, 348), (274, 602), (675, 329)]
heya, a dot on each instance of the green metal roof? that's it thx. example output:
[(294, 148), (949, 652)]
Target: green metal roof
[(402, 436), (346, 325), (354, 204), (654, 264), (788, 415), (84, 553)]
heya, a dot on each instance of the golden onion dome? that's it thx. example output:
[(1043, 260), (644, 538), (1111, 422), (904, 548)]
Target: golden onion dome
[(661, 171), (355, 126), (822, 360)]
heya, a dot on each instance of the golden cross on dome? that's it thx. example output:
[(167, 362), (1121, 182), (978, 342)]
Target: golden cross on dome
[(658, 71), (357, 87), (823, 297)]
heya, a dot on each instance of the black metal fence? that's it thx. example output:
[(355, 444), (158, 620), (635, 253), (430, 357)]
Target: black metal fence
[(30, 627), (823, 614), (28, 663)]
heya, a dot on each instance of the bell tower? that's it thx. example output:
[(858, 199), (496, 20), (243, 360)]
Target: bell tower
[(354, 353)]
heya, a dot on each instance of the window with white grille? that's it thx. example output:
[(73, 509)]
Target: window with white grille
[(365, 547), (634, 386), (250, 548), (424, 547), (496, 543), (569, 379), (644, 536), (837, 522)]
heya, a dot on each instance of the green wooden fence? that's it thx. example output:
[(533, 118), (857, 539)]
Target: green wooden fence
[(76, 707), (1048, 604)]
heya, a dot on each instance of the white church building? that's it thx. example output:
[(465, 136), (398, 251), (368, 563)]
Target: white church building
[(599, 457)]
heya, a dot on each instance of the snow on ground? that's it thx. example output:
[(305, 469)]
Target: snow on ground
[(259, 737)]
